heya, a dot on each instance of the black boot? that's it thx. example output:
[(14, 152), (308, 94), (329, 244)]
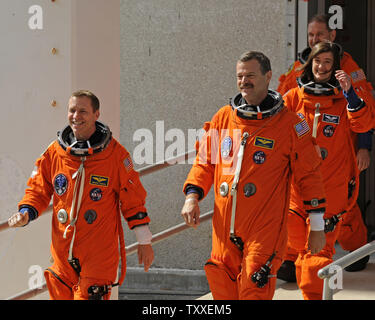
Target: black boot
[(287, 271), (359, 265)]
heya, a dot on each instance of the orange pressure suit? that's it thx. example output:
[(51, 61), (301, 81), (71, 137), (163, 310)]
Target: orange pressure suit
[(334, 138), (109, 184), (278, 144), (354, 223)]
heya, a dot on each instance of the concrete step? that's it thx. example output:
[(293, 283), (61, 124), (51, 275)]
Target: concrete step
[(162, 284)]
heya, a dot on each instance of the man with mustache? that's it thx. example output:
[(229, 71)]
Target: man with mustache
[(250, 150)]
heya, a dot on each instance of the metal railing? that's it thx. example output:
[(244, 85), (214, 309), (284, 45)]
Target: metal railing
[(330, 270), (27, 294)]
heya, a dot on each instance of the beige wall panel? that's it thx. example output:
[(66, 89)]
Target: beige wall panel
[(86, 37), (178, 67)]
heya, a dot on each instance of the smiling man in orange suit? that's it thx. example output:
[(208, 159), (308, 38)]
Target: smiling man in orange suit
[(91, 178), (251, 148)]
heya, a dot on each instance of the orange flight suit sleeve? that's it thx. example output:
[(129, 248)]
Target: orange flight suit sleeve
[(305, 164), (132, 194), (362, 87), (40, 189), (362, 119), (202, 172), (288, 80)]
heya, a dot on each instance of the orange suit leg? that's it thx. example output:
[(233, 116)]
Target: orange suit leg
[(296, 225), (297, 235), (59, 287), (308, 265), (63, 287), (228, 282), (353, 232), (247, 289), (291, 254), (222, 281), (81, 289)]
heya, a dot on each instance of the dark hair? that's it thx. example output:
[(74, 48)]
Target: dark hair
[(321, 18), (265, 64), (86, 93), (321, 47)]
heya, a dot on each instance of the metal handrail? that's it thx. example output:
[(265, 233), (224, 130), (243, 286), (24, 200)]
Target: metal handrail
[(27, 294), (330, 270), (167, 163)]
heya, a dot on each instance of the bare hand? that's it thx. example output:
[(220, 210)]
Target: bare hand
[(18, 219), (145, 255), (344, 80), (190, 211), (316, 241), (363, 159)]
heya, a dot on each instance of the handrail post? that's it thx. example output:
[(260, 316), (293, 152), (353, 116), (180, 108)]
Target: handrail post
[(327, 291)]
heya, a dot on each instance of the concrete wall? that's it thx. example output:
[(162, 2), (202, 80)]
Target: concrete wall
[(85, 34), (177, 69)]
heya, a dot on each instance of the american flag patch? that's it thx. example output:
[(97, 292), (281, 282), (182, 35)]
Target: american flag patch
[(358, 75), (128, 164), (301, 128)]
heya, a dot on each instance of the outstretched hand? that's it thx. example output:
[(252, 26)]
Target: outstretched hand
[(18, 219)]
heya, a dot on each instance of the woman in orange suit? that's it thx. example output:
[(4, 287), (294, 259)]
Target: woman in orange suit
[(90, 176), (328, 102), (318, 29), (249, 152)]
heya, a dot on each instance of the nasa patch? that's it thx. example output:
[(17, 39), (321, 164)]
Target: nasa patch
[(259, 157), (328, 130), (60, 184), (96, 194), (226, 147)]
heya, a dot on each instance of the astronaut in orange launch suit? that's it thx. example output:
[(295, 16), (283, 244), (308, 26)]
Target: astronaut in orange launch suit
[(249, 152), (333, 115), (354, 232), (91, 178)]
